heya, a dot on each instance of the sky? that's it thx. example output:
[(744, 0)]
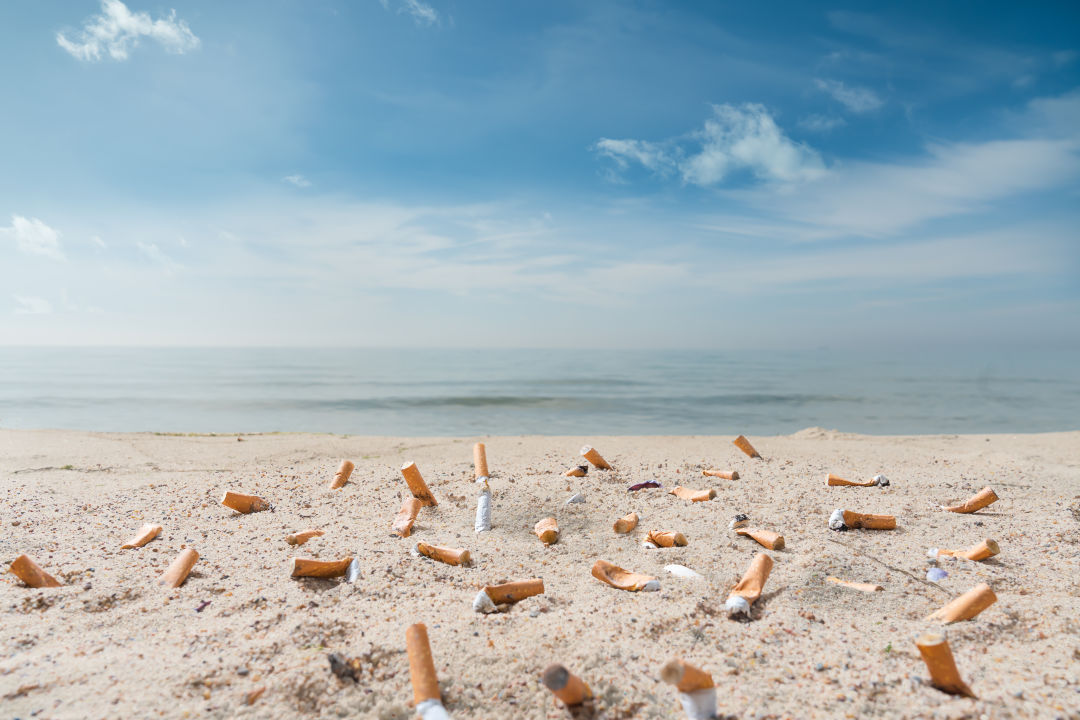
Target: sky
[(439, 173)]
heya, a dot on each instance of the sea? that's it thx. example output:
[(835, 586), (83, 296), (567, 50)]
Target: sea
[(587, 392)]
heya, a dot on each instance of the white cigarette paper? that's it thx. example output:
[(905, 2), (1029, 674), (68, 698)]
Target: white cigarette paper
[(432, 710), (700, 704), (483, 510)]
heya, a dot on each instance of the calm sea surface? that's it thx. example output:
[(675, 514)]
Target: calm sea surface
[(510, 392)]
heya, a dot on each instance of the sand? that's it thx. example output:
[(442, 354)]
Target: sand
[(111, 644)]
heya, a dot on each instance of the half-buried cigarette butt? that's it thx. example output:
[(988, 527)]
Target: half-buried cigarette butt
[(722, 474), (935, 652), (976, 502), (299, 538), (692, 495), (425, 683), (547, 530), (626, 523), (966, 606), (491, 596), (982, 551), (848, 520), (565, 685), (416, 484), (146, 533), (306, 567), (697, 691), (406, 516), (342, 475), (748, 590), (666, 538), (621, 579), (31, 573), (242, 503), (480, 467), (834, 481), (450, 556), (177, 572), (577, 471), (743, 444), (768, 538), (861, 587), (483, 510), (590, 454)]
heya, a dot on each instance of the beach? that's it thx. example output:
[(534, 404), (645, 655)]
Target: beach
[(111, 643)]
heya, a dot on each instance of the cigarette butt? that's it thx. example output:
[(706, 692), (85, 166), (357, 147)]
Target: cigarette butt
[(254, 695), (834, 481), (594, 457), (861, 587), (982, 551), (506, 594), (578, 471), (479, 452), (177, 572), (966, 606), (425, 682), (626, 523), (406, 516), (692, 495), (547, 530), (565, 685), (146, 533), (768, 538), (31, 573), (450, 556), (743, 444), (621, 579), (299, 538), (667, 538), (722, 474), (306, 567), (416, 484), (685, 677), (976, 502), (748, 590), (483, 510), (935, 652), (244, 503), (846, 519), (342, 475), (741, 520)]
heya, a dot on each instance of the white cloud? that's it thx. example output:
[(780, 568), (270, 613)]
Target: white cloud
[(117, 31), (96, 239), (821, 123), (34, 237), (856, 99), (421, 12), (154, 254), (297, 180), (622, 152), (31, 305)]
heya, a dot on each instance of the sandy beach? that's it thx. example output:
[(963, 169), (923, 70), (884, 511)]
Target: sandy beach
[(110, 643)]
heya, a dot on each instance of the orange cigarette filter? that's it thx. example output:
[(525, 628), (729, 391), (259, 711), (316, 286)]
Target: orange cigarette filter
[(835, 481), (626, 523), (450, 556), (767, 538), (590, 454), (177, 572), (480, 460), (667, 538), (242, 503), (547, 530), (31, 573), (565, 685), (299, 538), (306, 567), (621, 579), (146, 533), (982, 551), (342, 475), (425, 682), (976, 502), (515, 591), (752, 583), (722, 474), (577, 471), (966, 606), (869, 521), (685, 677), (938, 657), (406, 517), (861, 587), (416, 484), (692, 495), (743, 444)]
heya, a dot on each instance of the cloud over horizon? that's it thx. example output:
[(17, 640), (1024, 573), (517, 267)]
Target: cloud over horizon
[(116, 31)]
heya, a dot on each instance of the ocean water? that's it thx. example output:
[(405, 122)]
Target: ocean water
[(511, 392)]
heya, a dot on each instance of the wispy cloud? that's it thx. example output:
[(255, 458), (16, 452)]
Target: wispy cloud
[(155, 255), (31, 305), (856, 99), (421, 13), (116, 31), (821, 123), (298, 180), (34, 237)]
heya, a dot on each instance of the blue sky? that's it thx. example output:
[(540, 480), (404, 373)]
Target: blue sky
[(555, 174)]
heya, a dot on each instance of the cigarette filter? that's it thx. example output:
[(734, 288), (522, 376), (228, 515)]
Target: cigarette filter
[(594, 457), (621, 579), (834, 481), (547, 530), (768, 538), (848, 520), (487, 600), (480, 467), (299, 538), (666, 538), (692, 495), (417, 486), (577, 471), (626, 523), (565, 685), (425, 682), (696, 688), (177, 572), (450, 556), (982, 551), (146, 533), (342, 475), (743, 444), (935, 652), (966, 606), (748, 590), (483, 510), (31, 573), (861, 587), (722, 474), (976, 502), (306, 567), (406, 516), (244, 503)]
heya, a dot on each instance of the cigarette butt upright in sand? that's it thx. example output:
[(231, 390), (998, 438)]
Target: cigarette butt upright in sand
[(976, 502), (935, 652), (743, 444), (626, 523), (480, 468), (299, 538), (450, 556), (547, 530), (416, 484), (966, 606), (666, 538), (985, 549), (425, 683), (483, 509), (31, 573), (306, 567), (590, 454), (406, 516), (342, 475), (696, 688), (242, 503), (565, 685), (491, 596), (767, 538), (146, 533), (722, 474), (834, 481), (748, 590), (861, 587), (621, 579), (177, 572), (692, 495), (848, 520)]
